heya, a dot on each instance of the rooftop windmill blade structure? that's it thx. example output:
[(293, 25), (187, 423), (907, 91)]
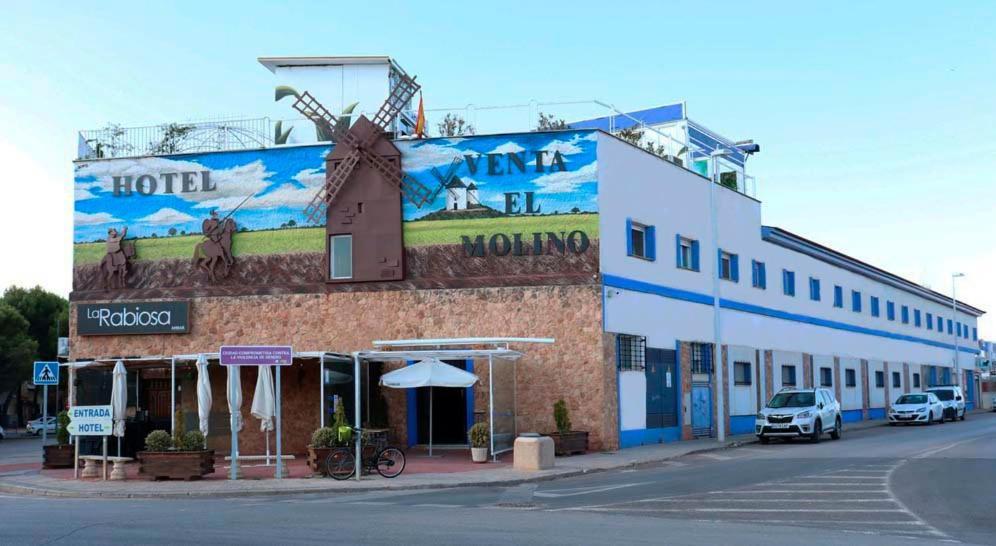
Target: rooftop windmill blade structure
[(360, 142)]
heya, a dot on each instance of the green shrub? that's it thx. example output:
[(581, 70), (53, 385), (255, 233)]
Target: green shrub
[(479, 435), (561, 417), (158, 440), (344, 433), (192, 441), (323, 437), (62, 428), (178, 427)]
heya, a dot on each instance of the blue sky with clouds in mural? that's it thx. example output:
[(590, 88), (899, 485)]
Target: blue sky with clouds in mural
[(558, 167)]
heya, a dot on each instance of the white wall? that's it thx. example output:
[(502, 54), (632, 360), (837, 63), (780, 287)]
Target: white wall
[(896, 392), (876, 395), (743, 398), (850, 397), (824, 361), (786, 358), (632, 400)]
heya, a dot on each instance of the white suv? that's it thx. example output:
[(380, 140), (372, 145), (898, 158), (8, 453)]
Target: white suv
[(794, 413), (954, 402)]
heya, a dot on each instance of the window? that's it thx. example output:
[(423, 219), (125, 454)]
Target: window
[(640, 241), (905, 313), (741, 373), (729, 266), (916, 380), (826, 377), (850, 378), (890, 310), (880, 379), (855, 301), (950, 327), (873, 303), (687, 253), (341, 256), (702, 358), (632, 352), (916, 318), (758, 275), (897, 381), (814, 289), (975, 334), (838, 296), (788, 282), (930, 321), (788, 376)]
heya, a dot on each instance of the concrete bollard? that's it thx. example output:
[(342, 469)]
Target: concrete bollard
[(533, 453)]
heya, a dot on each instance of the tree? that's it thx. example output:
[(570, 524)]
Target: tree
[(172, 231), (46, 314), (547, 122), (174, 134), (633, 135), (454, 125), (17, 351), (291, 223)]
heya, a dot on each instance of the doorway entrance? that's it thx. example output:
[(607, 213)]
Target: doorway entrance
[(450, 417)]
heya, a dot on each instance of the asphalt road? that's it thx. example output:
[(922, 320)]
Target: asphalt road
[(915, 485)]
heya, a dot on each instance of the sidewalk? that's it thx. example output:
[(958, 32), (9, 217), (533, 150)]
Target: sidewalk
[(490, 475)]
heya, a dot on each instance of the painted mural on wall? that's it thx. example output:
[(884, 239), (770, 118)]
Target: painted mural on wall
[(505, 195)]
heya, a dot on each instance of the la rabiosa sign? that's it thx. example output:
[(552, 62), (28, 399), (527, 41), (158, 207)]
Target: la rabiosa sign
[(141, 317)]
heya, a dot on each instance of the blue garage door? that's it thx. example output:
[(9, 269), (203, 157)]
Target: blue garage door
[(662, 392)]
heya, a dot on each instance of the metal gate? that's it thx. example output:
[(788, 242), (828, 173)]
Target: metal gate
[(701, 410), (662, 388)]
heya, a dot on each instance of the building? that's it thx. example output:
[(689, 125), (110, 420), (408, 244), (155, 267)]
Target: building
[(576, 235)]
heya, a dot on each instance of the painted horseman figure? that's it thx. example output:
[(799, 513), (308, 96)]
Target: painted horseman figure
[(217, 247), (114, 265)]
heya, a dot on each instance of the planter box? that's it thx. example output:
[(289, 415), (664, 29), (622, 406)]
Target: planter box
[(184, 465), (316, 459), (59, 456), (570, 443)]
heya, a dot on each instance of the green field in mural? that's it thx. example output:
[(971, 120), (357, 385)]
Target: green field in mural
[(311, 239)]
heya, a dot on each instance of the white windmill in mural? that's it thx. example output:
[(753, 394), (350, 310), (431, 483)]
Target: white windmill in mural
[(456, 194)]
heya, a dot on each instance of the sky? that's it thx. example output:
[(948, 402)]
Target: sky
[(876, 120)]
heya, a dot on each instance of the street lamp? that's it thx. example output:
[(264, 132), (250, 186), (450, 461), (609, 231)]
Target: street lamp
[(716, 321), (954, 319)]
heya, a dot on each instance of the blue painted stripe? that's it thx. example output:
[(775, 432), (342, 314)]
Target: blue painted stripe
[(851, 416), (742, 424), (876, 413), (649, 436), (616, 281)]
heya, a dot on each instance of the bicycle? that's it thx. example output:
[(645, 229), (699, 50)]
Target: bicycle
[(387, 460)]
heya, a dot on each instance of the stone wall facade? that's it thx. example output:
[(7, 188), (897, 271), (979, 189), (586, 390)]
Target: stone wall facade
[(574, 368)]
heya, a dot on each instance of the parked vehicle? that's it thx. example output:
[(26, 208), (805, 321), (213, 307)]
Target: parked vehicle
[(2, 434), (35, 426), (917, 408), (795, 413), (951, 397)]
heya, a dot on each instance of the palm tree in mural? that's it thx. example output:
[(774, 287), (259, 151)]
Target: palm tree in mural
[(344, 119)]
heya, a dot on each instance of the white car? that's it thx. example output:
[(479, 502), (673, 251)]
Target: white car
[(794, 413), (35, 425), (954, 402), (917, 408)]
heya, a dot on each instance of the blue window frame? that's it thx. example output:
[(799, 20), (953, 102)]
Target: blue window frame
[(905, 313), (890, 310), (916, 318), (729, 266), (975, 334), (641, 240), (838, 296), (788, 282), (873, 303), (930, 321), (855, 301), (950, 328), (686, 253), (758, 275), (814, 289)]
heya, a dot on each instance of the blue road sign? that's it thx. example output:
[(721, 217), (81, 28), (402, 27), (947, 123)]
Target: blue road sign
[(46, 373)]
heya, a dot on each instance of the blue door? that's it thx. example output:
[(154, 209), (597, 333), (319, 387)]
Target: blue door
[(701, 410), (662, 383), (969, 390)]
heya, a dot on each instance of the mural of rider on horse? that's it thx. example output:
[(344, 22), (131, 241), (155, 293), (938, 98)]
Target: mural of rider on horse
[(114, 265), (216, 248)]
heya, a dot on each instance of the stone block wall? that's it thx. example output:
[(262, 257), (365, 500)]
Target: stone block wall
[(573, 368)]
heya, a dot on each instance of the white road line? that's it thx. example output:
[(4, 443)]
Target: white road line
[(838, 521), (715, 456), (930, 452), (837, 501), (843, 477), (760, 510), (575, 491), (934, 530), (675, 463), (883, 490), (371, 503), (434, 505)]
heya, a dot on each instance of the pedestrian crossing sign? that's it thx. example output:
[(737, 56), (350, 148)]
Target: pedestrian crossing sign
[(46, 373)]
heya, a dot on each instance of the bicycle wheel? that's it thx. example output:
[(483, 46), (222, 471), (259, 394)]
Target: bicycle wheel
[(390, 462), (341, 464)]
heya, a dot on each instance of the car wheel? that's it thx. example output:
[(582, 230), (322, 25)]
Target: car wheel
[(837, 430), (930, 418), (764, 439), (817, 432), (963, 414)]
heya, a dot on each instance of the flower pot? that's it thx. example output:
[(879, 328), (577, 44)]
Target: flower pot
[(479, 454), (569, 443), (185, 465), (59, 456), (316, 459)]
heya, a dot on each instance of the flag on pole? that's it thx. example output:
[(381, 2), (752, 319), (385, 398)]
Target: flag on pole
[(420, 120)]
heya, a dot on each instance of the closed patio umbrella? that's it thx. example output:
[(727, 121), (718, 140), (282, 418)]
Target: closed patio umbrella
[(119, 400), (263, 405), (431, 373), (203, 394)]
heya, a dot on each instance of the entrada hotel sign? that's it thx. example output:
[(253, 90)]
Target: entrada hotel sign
[(142, 317)]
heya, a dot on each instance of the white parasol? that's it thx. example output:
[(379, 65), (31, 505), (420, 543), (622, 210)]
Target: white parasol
[(263, 405), (119, 400), (203, 394)]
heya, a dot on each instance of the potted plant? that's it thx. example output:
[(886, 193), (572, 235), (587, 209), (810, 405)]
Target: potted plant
[(61, 454), (326, 438), (565, 440), (186, 459), (480, 438)]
